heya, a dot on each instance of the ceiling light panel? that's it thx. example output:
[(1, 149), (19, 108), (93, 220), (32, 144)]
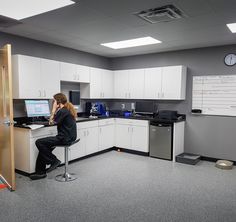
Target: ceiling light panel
[(232, 27), (131, 43), (20, 9)]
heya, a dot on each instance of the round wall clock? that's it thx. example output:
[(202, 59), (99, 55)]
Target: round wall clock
[(230, 59)]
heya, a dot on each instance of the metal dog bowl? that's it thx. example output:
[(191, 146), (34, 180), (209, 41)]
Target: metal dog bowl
[(224, 164)]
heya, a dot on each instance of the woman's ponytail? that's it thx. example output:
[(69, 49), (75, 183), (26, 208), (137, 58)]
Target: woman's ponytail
[(71, 108)]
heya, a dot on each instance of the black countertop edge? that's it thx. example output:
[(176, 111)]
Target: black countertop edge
[(110, 117)]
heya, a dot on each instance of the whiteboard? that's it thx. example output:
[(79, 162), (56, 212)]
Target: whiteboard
[(215, 94)]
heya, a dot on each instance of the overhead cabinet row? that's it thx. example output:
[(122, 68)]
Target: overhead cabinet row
[(40, 78), (151, 83)]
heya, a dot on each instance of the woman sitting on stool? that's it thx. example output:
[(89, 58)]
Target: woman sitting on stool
[(64, 116)]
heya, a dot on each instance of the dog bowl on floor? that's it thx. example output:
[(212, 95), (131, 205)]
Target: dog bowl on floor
[(224, 164)]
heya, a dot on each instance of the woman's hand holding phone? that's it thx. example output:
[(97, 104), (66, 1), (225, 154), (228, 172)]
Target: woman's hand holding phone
[(55, 107)]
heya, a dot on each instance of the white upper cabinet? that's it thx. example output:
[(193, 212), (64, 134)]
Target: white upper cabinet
[(152, 86), (95, 83), (136, 83), (50, 78), (173, 82), (34, 78), (26, 77), (68, 72), (101, 85), (107, 84), (82, 73), (121, 84), (165, 83), (38, 78), (129, 84), (74, 73)]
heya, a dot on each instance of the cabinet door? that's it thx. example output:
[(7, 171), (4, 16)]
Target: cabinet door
[(68, 72), (107, 84), (139, 138), (95, 83), (50, 77), (121, 84), (78, 150), (152, 83), (91, 140), (33, 154), (82, 74), (29, 77), (136, 84), (123, 136), (172, 82), (106, 137)]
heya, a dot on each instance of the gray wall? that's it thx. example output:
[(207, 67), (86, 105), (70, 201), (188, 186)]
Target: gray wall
[(40, 49), (25, 46), (211, 136)]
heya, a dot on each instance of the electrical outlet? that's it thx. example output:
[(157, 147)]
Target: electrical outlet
[(132, 106)]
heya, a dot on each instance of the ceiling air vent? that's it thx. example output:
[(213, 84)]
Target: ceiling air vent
[(161, 14), (6, 22)]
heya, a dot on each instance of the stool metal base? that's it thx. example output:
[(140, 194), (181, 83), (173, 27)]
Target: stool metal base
[(65, 177)]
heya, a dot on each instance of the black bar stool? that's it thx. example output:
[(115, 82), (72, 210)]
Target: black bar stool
[(66, 177)]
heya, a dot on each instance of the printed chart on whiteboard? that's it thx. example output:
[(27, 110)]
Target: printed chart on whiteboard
[(214, 95)]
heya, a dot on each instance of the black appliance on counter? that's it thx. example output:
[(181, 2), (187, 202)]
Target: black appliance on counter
[(167, 114), (145, 107), (74, 97)]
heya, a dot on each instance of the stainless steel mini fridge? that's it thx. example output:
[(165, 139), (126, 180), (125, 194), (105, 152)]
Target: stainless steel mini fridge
[(160, 141)]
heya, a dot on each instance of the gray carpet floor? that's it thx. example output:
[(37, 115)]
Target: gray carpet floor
[(124, 187)]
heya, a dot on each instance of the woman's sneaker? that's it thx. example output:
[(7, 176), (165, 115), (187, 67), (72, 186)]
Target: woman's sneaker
[(53, 166)]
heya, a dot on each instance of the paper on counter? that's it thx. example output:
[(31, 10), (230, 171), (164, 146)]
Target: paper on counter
[(35, 126)]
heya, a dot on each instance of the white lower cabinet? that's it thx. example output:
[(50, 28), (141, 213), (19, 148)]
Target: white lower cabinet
[(78, 150), (132, 134), (140, 138), (26, 151), (95, 136), (88, 134), (106, 134), (123, 136)]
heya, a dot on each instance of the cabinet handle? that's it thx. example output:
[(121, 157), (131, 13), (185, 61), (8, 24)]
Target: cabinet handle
[(74, 77), (78, 76), (125, 95), (132, 129), (128, 129), (100, 130), (39, 93), (129, 95), (44, 93)]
